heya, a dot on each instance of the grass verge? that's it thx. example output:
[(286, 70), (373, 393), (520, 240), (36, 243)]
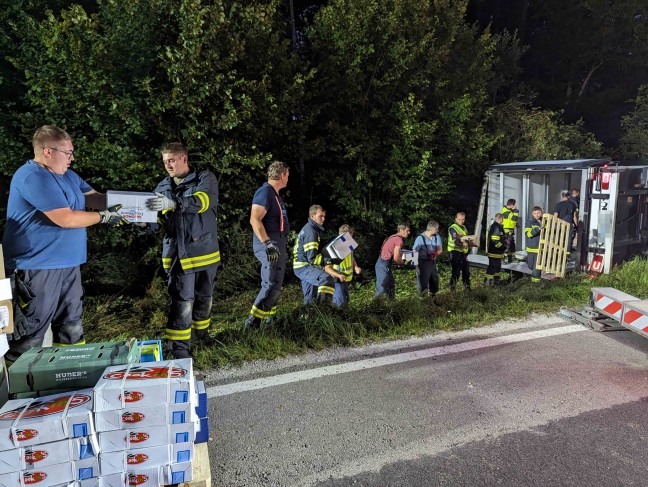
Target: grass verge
[(299, 328)]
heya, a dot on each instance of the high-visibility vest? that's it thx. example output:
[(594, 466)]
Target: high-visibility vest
[(459, 230), (511, 218)]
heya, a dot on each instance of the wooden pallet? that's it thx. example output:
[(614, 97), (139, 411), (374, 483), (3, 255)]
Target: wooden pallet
[(200, 470), (554, 239)]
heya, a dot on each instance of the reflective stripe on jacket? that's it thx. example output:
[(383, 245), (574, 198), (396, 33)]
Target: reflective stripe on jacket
[(191, 229), (494, 246), (346, 267), (532, 231), (306, 250)]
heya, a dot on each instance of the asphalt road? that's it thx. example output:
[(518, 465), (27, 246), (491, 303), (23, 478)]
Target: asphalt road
[(538, 403)]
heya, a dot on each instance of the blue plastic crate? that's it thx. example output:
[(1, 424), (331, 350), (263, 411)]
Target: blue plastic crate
[(151, 350)]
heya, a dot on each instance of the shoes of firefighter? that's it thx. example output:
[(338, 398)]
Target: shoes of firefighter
[(179, 353)]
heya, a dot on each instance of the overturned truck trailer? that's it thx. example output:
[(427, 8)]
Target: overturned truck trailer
[(613, 210)]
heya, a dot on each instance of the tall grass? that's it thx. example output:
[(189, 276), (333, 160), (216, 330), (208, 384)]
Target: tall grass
[(299, 328)]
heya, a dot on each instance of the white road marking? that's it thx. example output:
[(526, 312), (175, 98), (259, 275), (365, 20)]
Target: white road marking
[(251, 385)]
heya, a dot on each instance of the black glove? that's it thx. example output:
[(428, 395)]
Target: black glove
[(272, 251), (111, 217)]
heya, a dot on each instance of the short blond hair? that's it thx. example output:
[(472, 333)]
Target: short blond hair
[(48, 135)]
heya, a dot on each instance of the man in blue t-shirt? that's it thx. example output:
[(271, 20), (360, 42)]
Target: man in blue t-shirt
[(270, 225), (429, 247), (45, 240)]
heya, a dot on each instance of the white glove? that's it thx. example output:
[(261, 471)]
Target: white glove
[(160, 203)]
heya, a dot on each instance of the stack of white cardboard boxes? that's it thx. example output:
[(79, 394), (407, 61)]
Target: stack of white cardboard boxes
[(136, 427), (48, 441)]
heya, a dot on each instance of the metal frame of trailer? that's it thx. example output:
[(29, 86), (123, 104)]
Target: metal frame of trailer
[(610, 310)]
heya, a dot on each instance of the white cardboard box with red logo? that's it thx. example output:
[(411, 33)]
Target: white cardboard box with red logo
[(145, 384), (42, 477), (53, 475), (117, 440), (133, 205), (121, 419), (27, 422), (37, 456), (155, 456), (139, 477)]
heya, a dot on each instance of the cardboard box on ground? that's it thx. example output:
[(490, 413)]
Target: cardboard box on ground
[(133, 205)]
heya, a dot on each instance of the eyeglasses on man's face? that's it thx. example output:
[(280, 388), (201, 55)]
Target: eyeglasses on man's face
[(69, 153)]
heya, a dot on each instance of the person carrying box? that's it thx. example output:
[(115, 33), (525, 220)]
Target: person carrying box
[(390, 249), (346, 267), (458, 246), (188, 202), (45, 241)]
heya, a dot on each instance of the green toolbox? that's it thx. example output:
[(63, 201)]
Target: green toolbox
[(68, 368)]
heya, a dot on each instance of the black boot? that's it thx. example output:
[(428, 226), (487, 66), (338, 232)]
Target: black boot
[(251, 323)]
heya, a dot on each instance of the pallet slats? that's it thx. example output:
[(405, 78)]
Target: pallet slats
[(552, 251)]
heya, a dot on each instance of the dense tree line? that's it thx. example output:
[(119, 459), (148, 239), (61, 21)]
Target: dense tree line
[(386, 111)]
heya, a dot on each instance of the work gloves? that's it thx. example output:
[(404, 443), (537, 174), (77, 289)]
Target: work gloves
[(111, 217), (272, 251), (160, 203)]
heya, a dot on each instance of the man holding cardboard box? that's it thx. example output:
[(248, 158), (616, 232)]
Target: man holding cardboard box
[(390, 249), (45, 240), (188, 202)]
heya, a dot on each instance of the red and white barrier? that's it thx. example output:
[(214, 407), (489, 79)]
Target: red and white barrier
[(635, 317), (610, 301)]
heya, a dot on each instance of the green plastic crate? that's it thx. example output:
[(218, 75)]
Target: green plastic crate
[(68, 368)]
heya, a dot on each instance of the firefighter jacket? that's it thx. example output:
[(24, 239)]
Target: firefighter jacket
[(455, 232), (190, 241), (307, 248), (495, 248), (532, 231), (511, 217)]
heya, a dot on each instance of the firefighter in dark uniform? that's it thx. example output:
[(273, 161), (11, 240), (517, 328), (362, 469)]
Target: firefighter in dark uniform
[(495, 249), (270, 228), (510, 217), (532, 230), (315, 271), (458, 248), (188, 202)]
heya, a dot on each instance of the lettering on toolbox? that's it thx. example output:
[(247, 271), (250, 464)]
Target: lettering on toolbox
[(38, 409), (31, 478), (70, 375), (33, 456), (136, 458), (137, 479), (145, 373)]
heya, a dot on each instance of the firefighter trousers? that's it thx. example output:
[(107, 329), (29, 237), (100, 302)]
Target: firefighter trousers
[(272, 276), (191, 302), (532, 259), (341, 293), (58, 299), (317, 285), (459, 265)]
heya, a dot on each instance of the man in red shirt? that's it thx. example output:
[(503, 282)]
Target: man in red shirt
[(391, 249)]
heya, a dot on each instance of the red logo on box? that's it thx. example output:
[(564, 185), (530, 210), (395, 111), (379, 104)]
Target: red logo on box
[(132, 396), (128, 417), (31, 478), (138, 437), (24, 435), (145, 373), (137, 479), (33, 456), (38, 409), (136, 458)]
